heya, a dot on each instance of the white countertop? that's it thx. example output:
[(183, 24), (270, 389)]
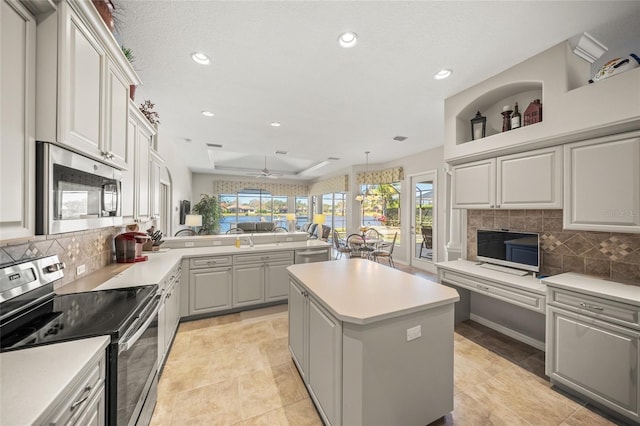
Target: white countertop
[(152, 271), (598, 287), (360, 291), (528, 282), (36, 379)]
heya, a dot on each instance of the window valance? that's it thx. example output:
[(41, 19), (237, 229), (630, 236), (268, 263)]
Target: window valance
[(373, 177), (329, 186), (274, 188)]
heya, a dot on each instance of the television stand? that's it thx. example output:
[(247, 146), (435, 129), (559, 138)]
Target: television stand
[(505, 269)]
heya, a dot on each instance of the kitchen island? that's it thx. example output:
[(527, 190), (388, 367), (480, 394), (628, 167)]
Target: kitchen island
[(374, 345)]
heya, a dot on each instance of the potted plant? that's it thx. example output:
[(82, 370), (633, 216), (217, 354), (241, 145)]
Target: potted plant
[(128, 53), (147, 110), (209, 208)]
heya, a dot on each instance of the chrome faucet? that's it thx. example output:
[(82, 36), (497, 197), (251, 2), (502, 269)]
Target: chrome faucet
[(250, 241)]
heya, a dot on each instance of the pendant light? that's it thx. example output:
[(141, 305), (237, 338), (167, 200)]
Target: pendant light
[(362, 196)]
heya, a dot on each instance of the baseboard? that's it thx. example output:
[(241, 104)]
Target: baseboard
[(508, 332)]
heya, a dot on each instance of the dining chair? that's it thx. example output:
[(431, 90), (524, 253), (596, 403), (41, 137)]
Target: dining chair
[(186, 232), (388, 253), (357, 246), (339, 245), (374, 235), (427, 242)]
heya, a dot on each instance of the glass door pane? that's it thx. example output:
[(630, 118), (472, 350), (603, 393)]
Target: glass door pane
[(423, 224)]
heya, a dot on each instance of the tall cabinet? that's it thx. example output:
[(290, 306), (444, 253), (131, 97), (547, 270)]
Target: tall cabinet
[(17, 120), (136, 201)]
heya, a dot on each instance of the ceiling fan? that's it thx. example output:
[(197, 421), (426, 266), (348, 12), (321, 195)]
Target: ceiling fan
[(266, 172)]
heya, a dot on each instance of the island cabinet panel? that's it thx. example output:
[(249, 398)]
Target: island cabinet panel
[(325, 362), (210, 290), (370, 353), (298, 312)]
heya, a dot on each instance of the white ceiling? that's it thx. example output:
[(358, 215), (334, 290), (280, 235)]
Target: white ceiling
[(280, 61)]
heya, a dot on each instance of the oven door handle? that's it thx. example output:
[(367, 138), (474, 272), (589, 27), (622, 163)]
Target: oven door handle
[(128, 344)]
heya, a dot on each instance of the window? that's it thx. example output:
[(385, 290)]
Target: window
[(259, 205), (333, 207), (381, 209)]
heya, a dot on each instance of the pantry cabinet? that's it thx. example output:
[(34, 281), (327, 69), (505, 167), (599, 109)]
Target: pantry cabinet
[(17, 120), (602, 184), (529, 180)]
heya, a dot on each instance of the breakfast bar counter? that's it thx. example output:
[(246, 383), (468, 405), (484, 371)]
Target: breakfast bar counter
[(374, 345)]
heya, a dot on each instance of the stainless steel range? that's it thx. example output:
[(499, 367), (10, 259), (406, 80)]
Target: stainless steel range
[(32, 315)]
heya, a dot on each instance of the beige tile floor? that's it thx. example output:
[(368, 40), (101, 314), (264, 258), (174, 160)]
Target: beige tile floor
[(236, 370)]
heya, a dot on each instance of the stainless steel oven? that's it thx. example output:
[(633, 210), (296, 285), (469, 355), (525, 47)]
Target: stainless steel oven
[(74, 192), (31, 314)]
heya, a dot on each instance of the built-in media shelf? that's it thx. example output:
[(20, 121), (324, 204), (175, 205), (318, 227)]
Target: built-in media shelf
[(572, 108)]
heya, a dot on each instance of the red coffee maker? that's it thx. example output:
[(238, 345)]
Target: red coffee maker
[(129, 247)]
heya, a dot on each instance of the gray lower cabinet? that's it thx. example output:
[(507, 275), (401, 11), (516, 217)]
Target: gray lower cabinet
[(210, 290), (591, 355), (248, 284), (84, 404), (261, 277), (315, 342)]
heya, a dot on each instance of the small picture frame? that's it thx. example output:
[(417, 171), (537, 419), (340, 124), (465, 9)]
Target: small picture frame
[(185, 209)]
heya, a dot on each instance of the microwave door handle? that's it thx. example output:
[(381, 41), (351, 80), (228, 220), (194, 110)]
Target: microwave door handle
[(128, 344)]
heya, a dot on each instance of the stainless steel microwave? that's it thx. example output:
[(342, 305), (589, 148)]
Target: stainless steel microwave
[(74, 192)]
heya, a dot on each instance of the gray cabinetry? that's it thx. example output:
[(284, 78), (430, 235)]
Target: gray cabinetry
[(593, 348), (315, 342), (325, 361), (248, 284), (85, 402), (260, 277), (210, 288)]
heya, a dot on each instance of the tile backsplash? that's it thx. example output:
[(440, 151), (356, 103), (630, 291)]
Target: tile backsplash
[(93, 248), (608, 255)]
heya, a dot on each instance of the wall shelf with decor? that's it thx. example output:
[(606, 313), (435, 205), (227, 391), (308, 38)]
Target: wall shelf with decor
[(572, 109)]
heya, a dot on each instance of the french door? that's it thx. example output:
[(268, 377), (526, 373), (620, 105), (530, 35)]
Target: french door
[(423, 221)]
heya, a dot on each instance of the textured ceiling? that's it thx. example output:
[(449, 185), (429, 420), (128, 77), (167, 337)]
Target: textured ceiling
[(279, 61)]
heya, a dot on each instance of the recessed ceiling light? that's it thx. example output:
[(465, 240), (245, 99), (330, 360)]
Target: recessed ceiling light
[(400, 138), (208, 113), (275, 124), (348, 39), (442, 74), (280, 152), (200, 58)]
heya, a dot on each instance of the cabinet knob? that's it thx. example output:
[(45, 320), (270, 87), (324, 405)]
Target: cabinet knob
[(491, 206)]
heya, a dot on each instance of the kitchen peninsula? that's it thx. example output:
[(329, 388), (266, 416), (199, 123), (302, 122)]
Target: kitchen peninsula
[(374, 345)]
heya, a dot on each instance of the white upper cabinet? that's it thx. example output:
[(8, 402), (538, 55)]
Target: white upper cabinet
[(530, 180), (83, 84), (117, 117), (602, 184), (17, 123)]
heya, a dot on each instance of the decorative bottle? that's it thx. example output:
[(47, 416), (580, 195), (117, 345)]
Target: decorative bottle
[(516, 118), (506, 118)]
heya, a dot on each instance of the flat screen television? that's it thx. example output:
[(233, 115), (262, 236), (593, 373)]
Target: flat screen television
[(519, 250)]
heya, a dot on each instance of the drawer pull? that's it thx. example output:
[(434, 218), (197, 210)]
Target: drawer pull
[(483, 287), (85, 395), (211, 262), (595, 308)]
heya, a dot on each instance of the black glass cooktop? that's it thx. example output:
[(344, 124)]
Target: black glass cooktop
[(74, 316)]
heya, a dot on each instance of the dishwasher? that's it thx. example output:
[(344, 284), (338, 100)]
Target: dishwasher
[(310, 255)]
